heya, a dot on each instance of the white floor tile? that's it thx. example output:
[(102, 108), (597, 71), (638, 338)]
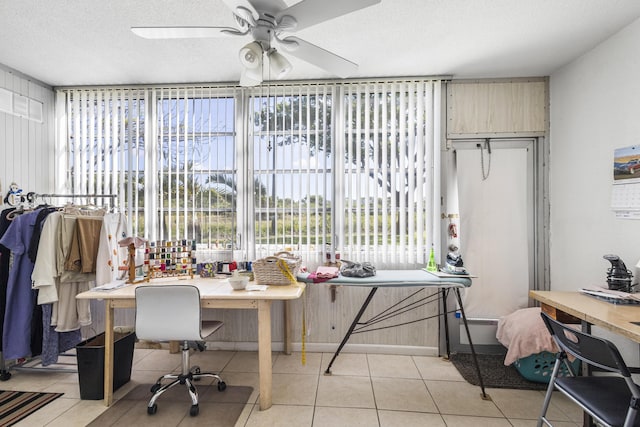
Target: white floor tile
[(363, 390)]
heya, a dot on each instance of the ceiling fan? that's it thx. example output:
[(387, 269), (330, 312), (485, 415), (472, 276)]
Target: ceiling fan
[(266, 22)]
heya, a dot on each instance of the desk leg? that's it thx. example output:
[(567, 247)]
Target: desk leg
[(351, 328), (108, 353), (287, 327), (264, 353), (473, 351)]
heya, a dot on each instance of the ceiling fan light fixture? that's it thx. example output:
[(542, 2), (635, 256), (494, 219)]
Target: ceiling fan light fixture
[(251, 55), (278, 64), (249, 78)]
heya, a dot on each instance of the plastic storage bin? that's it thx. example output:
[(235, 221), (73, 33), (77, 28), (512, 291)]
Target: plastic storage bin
[(90, 355), (539, 367)]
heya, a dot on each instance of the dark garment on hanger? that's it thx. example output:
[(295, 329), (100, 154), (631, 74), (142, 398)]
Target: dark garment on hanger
[(36, 329), (21, 297), (54, 343), (37, 231), (4, 268)]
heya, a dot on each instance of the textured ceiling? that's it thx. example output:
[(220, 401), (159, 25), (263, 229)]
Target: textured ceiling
[(89, 42)]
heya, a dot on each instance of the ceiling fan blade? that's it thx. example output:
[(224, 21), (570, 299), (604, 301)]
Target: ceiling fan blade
[(312, 12), (319, 57), (183, 32), (243, 9)]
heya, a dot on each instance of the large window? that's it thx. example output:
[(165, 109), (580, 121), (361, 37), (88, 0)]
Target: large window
[(343, 167), (290, 132), (386, 169)]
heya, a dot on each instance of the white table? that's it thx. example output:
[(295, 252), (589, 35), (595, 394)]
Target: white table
[(214, 294)]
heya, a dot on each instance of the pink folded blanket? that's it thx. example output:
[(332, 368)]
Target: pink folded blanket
[(524, 333)]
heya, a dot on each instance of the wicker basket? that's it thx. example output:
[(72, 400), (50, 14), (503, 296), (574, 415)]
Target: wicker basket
[(280, 269)]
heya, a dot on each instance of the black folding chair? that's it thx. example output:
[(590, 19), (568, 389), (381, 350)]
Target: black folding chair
[(611, 399)]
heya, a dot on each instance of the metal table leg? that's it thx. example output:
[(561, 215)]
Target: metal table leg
[(351, 328), (473, 352)]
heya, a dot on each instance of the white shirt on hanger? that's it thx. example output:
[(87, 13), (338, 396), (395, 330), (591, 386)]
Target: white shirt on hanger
[(45, 272)]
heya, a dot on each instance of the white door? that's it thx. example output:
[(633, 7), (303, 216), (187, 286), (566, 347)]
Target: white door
[(495, 185)]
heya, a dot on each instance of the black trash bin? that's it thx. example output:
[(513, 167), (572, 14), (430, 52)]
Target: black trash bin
[(90, 355)]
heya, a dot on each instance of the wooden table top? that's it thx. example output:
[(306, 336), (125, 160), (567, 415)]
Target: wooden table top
[(617, 318)]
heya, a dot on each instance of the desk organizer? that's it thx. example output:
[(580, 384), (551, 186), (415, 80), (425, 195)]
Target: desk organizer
[(169, 258)]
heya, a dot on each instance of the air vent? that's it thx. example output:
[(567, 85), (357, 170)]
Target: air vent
[(5, 101), (21, 106)]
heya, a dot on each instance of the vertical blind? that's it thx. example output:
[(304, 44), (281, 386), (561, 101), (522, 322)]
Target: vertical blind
[(349, 167), (390, 149), (291, 140), (167, 153)]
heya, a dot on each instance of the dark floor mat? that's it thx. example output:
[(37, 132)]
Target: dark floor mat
[(494, 373)]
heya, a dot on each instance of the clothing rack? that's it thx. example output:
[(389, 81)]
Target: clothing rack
[(24, 363), (33, 196)]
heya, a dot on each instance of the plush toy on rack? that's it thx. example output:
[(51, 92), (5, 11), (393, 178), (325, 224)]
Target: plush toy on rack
[(14, 197)]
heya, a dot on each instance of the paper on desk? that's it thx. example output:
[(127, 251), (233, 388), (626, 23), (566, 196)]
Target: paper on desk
[(440, 273), (256, 287), (111, 286), (609, 293)]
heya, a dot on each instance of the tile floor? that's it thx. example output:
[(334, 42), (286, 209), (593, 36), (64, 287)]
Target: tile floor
[(364, 390)]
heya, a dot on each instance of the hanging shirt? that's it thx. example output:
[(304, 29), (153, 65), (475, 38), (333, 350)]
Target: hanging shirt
[(5, 254), (69, 313), (45, 272), (63, 250), (37, 231), (84, 245), (21, 298), (110, 254)]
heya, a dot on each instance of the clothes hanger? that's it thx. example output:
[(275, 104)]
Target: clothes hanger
[(18, 211)]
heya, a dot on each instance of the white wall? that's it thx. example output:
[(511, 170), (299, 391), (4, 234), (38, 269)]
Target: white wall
[(594, 109), (26, 146)]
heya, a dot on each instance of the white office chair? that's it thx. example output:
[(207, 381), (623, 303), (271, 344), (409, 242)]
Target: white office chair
[(173, 313)]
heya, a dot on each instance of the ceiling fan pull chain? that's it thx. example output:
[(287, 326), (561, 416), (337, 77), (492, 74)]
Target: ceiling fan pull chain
[(485, 175)]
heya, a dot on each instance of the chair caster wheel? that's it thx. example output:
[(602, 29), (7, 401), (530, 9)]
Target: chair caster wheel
[(194, 410), (155, 388), (152, 409), (222, 386), (5, 375), (196, 371)]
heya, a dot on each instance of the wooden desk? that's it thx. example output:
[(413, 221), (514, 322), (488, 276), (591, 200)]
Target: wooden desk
[(214, 294), (590, 311), (616, 318)]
